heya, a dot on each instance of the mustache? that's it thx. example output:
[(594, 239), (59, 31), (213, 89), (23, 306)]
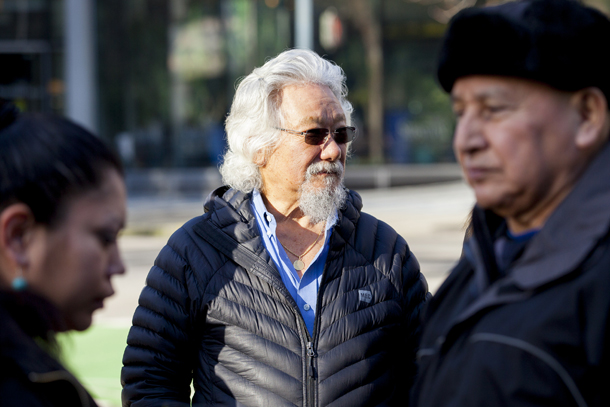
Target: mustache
[(335, 168)]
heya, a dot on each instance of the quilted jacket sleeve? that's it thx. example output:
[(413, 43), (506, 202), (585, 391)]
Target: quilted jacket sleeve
[(158, 359)]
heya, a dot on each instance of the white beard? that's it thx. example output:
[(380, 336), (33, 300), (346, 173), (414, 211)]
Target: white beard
[(319, 203)]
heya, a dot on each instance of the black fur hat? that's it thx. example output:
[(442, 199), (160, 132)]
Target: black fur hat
[(558, 42)]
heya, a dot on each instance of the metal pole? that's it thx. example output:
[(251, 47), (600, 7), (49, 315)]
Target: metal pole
[(303, 23), (80, 47)]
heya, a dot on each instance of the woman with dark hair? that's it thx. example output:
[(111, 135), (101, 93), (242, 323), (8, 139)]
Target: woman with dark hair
[(62, 205)]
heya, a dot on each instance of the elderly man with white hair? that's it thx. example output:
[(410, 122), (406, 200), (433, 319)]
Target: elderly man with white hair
[(283, 293)]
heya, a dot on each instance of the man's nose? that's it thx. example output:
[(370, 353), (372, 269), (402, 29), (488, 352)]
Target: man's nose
[(469, 135), (331, 151)]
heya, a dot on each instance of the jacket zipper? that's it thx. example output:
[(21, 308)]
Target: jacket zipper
[(311, 374)]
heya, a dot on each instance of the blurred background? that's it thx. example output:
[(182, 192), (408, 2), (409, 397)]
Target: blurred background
[(155, 78)]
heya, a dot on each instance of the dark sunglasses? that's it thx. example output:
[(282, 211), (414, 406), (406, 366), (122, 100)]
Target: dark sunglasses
[(316, 137)]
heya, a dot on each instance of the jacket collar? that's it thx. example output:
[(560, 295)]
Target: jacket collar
[(572, 231), (569, 234), (230, 226), (25, 316), (228, 206)]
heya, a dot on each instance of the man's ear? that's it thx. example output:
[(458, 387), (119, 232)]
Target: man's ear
[(260, 159), (593, 109), (16, 225)]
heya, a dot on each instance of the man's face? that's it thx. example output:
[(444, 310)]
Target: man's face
[(515, 142), (305, 107)]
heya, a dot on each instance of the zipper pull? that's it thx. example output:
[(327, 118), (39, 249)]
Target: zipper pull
[(311, 354), (310, 351)]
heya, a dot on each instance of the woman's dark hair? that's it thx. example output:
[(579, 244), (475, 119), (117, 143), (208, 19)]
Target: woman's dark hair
[(45, 160)]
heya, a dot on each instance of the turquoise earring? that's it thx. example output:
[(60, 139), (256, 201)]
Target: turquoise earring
[(19, 283)]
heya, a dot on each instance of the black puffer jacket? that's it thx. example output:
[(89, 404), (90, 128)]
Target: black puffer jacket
[(215, 310), (29, 376), (539, 336)]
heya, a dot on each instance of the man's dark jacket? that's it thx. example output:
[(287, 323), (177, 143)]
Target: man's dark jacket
[(540, 335), (215, 309)]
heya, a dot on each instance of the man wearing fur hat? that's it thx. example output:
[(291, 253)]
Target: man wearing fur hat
[(524, 317)]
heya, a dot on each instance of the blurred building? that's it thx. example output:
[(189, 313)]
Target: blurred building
[(30, 55), (156, 77)]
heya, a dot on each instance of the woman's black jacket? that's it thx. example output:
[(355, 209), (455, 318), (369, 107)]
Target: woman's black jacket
[(29, 375)]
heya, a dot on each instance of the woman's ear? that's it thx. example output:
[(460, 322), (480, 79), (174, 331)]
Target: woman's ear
[(593, 109), (16, 226)]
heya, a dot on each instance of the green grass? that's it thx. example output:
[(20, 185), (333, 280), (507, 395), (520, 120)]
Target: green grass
[(94, 357)]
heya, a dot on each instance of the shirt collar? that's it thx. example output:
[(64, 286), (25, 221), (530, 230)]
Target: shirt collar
[(269, 223)]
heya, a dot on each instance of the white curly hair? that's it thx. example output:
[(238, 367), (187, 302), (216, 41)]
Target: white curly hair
[(252, 123)]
